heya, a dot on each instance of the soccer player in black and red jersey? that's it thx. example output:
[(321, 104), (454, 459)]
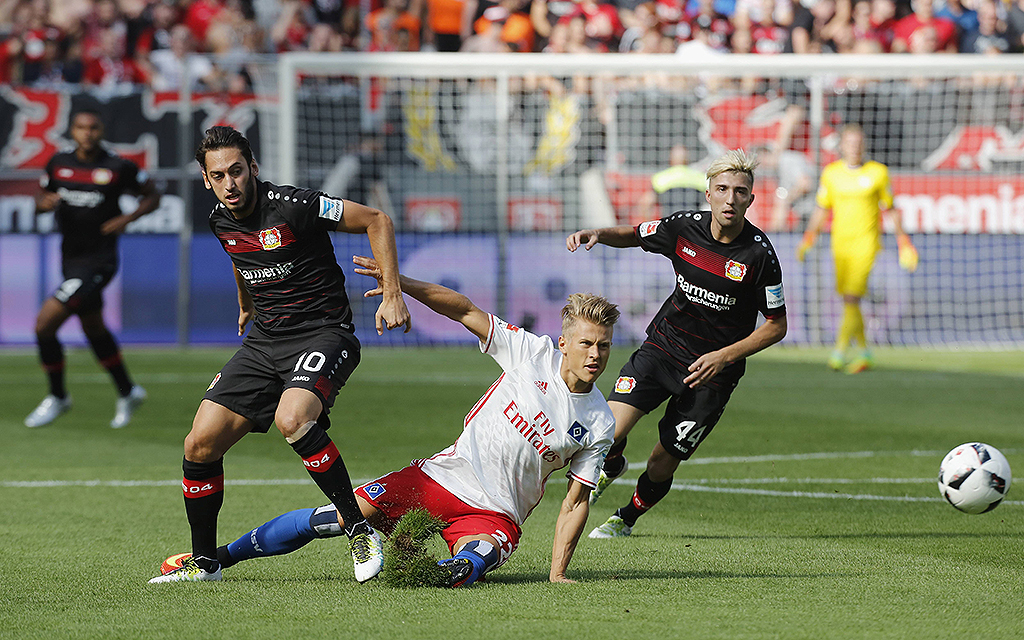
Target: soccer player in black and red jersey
[(300, 350), (694, 355), (82, 187)]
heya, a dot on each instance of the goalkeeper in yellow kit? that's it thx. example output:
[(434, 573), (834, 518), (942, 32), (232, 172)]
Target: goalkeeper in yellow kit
[(857, 193)]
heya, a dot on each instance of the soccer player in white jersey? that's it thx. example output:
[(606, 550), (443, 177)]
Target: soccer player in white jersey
[(542, 414)]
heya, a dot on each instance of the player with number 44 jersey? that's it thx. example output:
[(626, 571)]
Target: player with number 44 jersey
[(300, 350), (726, 273)]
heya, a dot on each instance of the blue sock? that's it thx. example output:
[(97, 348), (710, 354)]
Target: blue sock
[(482, 554), (283, 534)]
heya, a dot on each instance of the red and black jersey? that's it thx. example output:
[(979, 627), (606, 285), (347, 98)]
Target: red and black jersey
[(284, 253), (720, 288), (89, 192)]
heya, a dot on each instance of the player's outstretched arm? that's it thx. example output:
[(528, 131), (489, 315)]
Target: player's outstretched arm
[(711, 364), (246, 309), (378, 227), (572, 517), (437, 298), (621, 236)]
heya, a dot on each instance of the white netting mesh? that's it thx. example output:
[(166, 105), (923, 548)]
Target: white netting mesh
[(486, 162)]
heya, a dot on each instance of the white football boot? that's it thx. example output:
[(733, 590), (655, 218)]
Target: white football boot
[(367, 554), (605, 481), (48, 410), (126, 406), (615, 527)]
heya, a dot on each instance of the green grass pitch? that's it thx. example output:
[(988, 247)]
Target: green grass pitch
[(810, 512)]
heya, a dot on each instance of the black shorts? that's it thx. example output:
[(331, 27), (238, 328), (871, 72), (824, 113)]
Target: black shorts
[(252, 381), (648, 379), (82, 289)]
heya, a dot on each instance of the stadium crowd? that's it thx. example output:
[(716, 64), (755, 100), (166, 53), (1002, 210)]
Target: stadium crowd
[(123, 43)]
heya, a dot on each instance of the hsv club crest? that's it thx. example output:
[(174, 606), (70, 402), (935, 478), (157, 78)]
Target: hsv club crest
[(270, 238), (735, 270)]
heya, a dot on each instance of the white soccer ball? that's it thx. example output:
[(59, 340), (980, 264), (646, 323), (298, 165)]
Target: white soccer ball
[(974, 477)]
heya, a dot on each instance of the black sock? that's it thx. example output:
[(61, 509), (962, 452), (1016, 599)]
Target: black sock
[(51, 356), (203, 486), (224, 558), (615, 462), (109, 354), (647, 495), (325, 466)]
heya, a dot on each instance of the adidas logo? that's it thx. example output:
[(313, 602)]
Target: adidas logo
[(543, 386)]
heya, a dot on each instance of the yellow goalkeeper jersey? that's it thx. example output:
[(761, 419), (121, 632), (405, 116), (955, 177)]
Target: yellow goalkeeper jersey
[(856, 197)]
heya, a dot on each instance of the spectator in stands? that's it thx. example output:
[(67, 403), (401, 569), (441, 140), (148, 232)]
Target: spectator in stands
[(169, 65), (707, 25), (291, 29), (26, 50), (706, 40), (679, 187), (199, 15), (1015, 23), (943, 31), (545, 16), (104, 25), (61, 65), (442, 22), (883, 21), (569, 37), (236, 34), (726, 8), (767, 35), (749, 12), (154, 30), (325, 38), (639, 22), (393, 28), (862, 28), (602, 24), (508, 17), (108, 68), (794, 177), (965, 19), (991, 35), (815, 25)]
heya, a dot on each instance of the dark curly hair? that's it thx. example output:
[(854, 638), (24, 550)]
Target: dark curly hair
[(223, 138)]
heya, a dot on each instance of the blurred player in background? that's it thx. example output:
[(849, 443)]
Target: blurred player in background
[(696, 348), (542, 414), (680, 187), (858, 194), (82, 188), (301, 349)]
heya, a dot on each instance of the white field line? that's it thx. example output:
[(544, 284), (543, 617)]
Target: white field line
[(816, 494), (701, 484), (821, 455), (204, 378)]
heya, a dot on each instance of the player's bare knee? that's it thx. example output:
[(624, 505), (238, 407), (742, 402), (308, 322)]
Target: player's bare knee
[(200, 447), (293, 427)]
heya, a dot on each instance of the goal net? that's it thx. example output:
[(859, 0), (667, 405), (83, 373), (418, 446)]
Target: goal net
[(486, 162)]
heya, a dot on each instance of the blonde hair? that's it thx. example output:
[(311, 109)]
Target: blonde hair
[(733, 160), (851, 127), (589, 307)]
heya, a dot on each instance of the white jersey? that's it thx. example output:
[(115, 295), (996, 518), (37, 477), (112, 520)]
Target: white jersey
[(527, 426)]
